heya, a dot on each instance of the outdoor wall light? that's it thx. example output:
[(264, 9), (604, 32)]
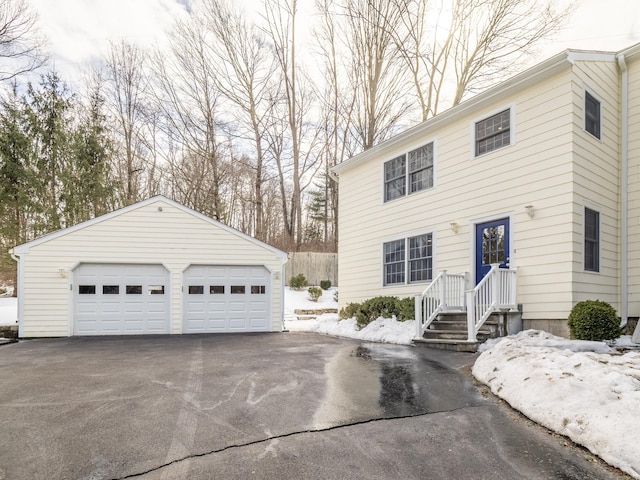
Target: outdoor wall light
[(454, 227), (530, 211), (62, 272)]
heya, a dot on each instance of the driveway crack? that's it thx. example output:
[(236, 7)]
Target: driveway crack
[(293, 434)]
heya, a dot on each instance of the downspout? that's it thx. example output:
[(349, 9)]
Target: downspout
[(16, 290), (624, 194)]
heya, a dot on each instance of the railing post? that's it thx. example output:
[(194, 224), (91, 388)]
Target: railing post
[(418, 313), (471, 323), (443, 291), (495, 284)]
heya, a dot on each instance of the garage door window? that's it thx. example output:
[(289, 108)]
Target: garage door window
[(156, 289), (87, 289), (257, 289), (216, 289), (134, 289), (110, 289), (237, 289), (196, 289)]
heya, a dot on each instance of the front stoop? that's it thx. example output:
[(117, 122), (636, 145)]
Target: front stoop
[(449, 331)]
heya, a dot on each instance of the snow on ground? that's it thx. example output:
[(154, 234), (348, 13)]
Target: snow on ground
[(586, 391), (8, 311)]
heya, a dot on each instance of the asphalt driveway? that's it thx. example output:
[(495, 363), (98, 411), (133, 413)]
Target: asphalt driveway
[(291, 405)]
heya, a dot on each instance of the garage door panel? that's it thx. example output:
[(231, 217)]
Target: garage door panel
[(227, 299), (123, 302)]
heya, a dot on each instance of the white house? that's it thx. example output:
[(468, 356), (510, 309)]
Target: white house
[(149, 268), (539, 174)]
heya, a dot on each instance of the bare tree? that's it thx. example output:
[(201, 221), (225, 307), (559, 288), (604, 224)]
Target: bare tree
[(378, 73), (469, 43), (187, 94), (246, 71), (21, 45), (127, 88), (296, 103)]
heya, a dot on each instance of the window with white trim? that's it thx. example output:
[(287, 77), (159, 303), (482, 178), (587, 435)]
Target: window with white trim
[(591, 240), (493, 133), (591, 115), (410, 173), (408, 260)]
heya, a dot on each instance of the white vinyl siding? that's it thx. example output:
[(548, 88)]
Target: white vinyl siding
[(633, 66), (529, 172), (158, 233)]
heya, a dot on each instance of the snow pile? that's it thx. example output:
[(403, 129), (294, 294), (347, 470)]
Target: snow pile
[(585, 390), (381, 330), (8, 311)]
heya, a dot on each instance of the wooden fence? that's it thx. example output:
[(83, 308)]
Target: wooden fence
[(315, 267)]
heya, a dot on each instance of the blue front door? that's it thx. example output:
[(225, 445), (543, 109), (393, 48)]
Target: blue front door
[(492, 246)]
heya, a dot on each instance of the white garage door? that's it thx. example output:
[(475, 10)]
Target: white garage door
[(120, 299), (227, 299)]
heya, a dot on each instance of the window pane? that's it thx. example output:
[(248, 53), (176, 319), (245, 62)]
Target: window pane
[(134, 289), (420, 258), (591, 240), (156, 289), (493, 132), (237, 289), (110, 289), (394, 178), (86, 289), (394, 260), (216, 289), (493, 245), (257, 289), (592, 115), (196, 289), (421, 168)]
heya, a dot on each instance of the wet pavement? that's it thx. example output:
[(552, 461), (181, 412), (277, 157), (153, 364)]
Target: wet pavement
[(289, 405)]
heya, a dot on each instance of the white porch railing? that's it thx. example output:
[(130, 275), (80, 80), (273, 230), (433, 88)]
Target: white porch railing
[(444, 293), (496, 291)]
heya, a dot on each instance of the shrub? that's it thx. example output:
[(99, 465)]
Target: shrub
[(376, 307), (314, 293), (594, 320), (406, 309), (349, 310), (325, 284), (298, 282)]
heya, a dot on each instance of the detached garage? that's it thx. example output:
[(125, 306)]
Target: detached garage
[(155, 267)]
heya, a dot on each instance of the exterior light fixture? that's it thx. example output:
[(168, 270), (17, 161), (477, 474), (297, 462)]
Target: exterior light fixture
[(530, 212), (454, 227)]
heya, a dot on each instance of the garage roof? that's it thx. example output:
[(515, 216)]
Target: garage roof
[(24, 248)]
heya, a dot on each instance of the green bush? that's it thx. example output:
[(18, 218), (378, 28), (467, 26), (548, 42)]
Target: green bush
[(325, 284), (314, 293), (298, 282), (406, 309), (594, 320), (349, 310)]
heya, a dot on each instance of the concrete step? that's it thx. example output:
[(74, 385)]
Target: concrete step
[(454, 345)]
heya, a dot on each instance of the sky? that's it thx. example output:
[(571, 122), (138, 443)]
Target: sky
[(79, 31)]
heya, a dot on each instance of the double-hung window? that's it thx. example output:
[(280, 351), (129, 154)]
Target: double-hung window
[(395, 178), (591, 115), (409, 173), (493, 132), (591, 240), (413, 255)]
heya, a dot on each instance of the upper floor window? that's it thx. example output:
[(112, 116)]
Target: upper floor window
[(493, 132), (591, 115), (409, 173), (413, 255), (591, 240)]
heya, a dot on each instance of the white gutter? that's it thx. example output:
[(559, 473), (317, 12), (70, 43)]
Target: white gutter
[(624, 194)]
